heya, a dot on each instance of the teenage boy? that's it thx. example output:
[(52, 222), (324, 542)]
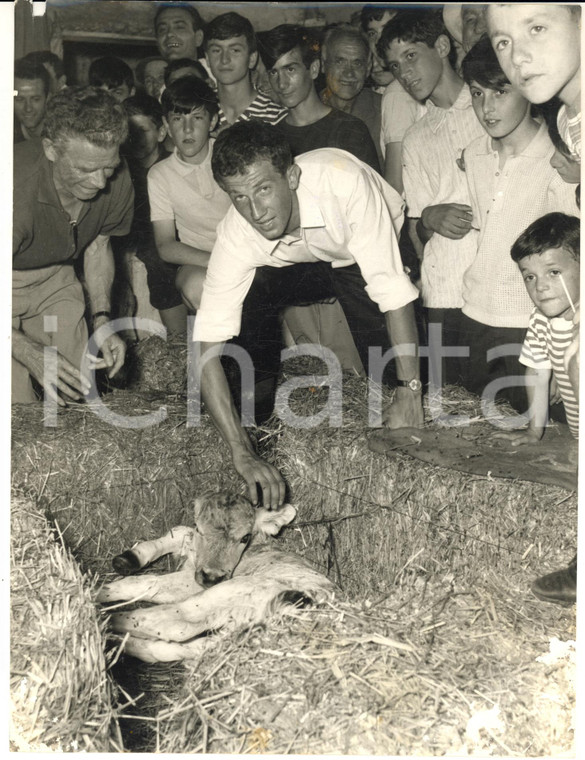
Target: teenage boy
[(31, 91), (112, 75), (186, 204), (231, 53), (548, 256), (143, 149), (511, 183), (373, 18), (319, 226), (346, 60), (291, 57), (419, 52), (539, 48)]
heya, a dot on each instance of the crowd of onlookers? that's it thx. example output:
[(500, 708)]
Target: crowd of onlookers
[(462, 125)]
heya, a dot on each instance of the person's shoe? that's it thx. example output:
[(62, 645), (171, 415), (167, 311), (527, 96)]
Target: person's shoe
[(559, 587)]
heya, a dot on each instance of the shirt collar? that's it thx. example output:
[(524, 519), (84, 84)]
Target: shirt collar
[(183, 168), (538, 147), (436, 116), (47, 192)]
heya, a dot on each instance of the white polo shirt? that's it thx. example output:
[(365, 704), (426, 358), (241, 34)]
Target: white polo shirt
[(348, 214)]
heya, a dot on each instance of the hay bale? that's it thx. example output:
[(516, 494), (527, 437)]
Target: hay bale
[(61, 693), (375, 522), (159, 365), (108, 486)]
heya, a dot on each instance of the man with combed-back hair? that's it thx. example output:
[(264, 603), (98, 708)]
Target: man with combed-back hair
[(299, 231), (70, 194)]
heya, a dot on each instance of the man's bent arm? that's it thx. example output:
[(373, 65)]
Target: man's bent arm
[(218, 401), (406, 409)]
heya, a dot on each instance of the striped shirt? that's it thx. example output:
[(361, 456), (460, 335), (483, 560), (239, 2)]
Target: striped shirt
[(262, 107), (431, 150), (570, 132), (544, 348), (505, 201)]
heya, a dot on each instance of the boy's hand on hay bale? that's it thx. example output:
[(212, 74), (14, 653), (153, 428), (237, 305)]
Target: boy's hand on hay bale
[(257, 472), (504, 438), (406, 410)]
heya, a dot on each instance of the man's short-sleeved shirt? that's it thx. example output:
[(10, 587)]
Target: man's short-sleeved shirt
[(188, 195), (432, 174), (262, 108), (335, 130), (348, 214), (43, 234)]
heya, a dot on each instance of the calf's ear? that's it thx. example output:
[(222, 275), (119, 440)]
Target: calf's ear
[(269, 522)]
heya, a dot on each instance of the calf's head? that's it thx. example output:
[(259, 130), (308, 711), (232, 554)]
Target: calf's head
[(224, 527)]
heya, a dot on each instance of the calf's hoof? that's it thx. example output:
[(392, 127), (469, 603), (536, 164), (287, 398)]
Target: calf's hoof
[(126, 563)]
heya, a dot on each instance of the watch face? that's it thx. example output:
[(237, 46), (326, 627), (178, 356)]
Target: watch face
[(415, 385)]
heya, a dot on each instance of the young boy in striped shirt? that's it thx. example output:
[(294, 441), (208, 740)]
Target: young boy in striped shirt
[(547, 254)]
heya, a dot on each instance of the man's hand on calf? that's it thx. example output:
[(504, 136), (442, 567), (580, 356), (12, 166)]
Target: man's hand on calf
[(256, 471)]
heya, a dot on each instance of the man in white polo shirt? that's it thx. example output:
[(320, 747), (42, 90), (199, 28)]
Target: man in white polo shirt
[(325, 225)]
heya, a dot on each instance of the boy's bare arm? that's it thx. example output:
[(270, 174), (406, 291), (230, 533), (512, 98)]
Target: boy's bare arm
[(572, 358), (172, 250), (452, 220), (537, 391), (218, 402)]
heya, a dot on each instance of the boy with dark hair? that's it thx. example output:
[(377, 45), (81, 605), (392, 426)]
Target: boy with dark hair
[(186, 204), (53, 64), (181, 67), (419, 53), (112, 75), (511, 183), (32, 86), (144, 148), (548, 256), (539, 48), (291, 56), (373, 18), (231, 53)]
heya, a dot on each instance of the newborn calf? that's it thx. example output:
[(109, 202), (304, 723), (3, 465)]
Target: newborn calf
[(218, 584)]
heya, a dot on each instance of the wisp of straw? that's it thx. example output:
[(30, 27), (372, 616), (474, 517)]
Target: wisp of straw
[(567, 293)]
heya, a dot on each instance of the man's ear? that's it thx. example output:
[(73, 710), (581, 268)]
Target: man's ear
[(443, 45), (199, 37), (253, 60), (213, 122), (315, 68), (132, 91), (49, 149), (293, 175), (162, 132)]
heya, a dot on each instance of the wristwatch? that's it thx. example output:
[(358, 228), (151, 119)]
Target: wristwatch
[(414, 384)]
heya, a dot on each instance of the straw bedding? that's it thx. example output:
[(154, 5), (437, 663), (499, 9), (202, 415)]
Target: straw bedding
[(61, 693), (432, 646)]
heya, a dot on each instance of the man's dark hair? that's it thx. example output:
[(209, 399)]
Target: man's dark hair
[(87, 113), (229, 25), (187, 93), (244, 143), (424, 25), (193, 12), (24, 69), (374, 13), (140, 68), (47, 57), (183, 63), (110, 71), (554, 230), (481, 65), (282, 39), (144, 105)]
